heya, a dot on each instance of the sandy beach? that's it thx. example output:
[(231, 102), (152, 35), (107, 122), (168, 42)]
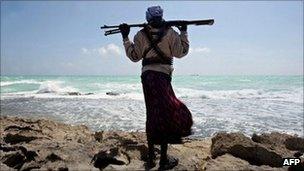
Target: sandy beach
[(43, 144)]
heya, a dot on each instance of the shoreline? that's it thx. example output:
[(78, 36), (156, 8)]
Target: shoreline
[(32, 143)]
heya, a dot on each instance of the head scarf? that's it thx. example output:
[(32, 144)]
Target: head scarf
[(154, 12)]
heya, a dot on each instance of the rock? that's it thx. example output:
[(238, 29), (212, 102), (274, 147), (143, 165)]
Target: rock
[(8, 148), (267, 149), (298, 154), (112, 93), (17, 138), (299, 167), (14, 160), (53, 157), (98, 136), (274, 139), (295, 143), (222, 143), (30, 166), (17, 127), (229, 162), (57, 165), (74, 93), (45, 143), (105, 158), (29, 144), (4, 167), (63, 169), (30, 155), (45, 91), (226, 162), (88, 93), (284, 144)]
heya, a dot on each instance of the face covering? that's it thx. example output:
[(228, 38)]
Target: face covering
[(156, 22)]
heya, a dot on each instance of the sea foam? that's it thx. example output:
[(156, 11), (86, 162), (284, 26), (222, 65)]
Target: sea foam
[(8, 83), (217, 103), (55, 87)]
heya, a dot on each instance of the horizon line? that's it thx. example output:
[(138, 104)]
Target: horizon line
[(5, 75)]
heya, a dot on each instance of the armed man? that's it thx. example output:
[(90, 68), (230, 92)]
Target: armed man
[(168, 119)]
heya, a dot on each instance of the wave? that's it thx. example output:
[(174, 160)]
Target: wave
[(219, 94), (245, 80), (133, 91), (295, 95), (55, 87), (118, 87), (8, 83)]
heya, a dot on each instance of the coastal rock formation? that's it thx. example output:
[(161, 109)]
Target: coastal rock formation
[(28, 144), (267, 149), (77, 94), (110, 93), (74, 93)]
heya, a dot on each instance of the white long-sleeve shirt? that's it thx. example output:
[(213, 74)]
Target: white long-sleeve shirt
[(172, 45)]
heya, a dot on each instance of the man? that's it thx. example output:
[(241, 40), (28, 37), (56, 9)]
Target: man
[(168, 119)]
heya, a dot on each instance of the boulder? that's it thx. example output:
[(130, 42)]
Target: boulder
[(273, 139), (266, 149), (223, 143), (284, 144), (295, 143)]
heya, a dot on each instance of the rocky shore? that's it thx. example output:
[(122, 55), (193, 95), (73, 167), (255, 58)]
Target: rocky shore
[(30, 144)]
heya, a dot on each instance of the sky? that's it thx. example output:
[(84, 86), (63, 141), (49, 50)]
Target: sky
[(64, 38)]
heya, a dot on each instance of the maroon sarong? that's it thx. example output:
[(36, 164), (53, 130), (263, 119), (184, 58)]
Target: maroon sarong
[(168, 119)]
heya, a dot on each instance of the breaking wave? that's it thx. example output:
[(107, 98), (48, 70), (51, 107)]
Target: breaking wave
[(101, 102), (55, 87), (295, 95), (8, 83)]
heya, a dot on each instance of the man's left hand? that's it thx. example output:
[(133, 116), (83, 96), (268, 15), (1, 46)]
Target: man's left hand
[(124, 29)]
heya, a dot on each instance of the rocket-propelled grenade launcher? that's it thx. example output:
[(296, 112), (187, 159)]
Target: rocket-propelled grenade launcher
[(167, 23)]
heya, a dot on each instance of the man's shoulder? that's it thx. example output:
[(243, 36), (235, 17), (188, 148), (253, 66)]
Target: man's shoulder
[(139, 33), (170, 30)]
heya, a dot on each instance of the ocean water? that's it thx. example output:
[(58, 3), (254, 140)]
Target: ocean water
[(249, 104)]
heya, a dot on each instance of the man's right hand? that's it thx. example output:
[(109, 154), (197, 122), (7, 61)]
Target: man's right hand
[(124, 29)]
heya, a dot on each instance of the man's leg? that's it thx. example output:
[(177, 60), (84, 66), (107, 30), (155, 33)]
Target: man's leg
[(166, 162), (163, 152), (151, 154)]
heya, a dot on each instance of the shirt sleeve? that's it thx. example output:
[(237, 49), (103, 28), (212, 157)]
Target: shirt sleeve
[(133, 50), (179, 44)]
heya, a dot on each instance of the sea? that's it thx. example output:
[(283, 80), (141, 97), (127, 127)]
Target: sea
[(247, 104)]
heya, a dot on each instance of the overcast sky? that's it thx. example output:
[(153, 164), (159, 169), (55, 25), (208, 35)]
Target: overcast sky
[(63, 38)]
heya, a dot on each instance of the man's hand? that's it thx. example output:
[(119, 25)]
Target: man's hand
[(124, 29), (182, 28)]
